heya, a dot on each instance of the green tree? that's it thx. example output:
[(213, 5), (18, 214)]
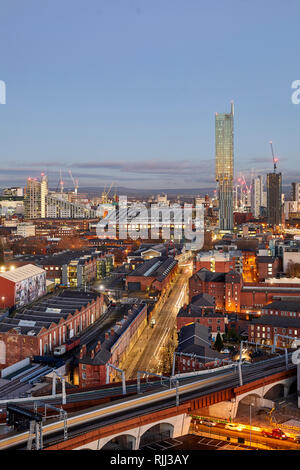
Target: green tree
[(218, 343)]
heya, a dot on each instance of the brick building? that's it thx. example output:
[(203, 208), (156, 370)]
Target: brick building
[(47, 323), (263, 329), (220, 261), (194, 351), (267, 266), (73, 268), (232, 294), (202, 310), (225, 288), (22, 285), (283, 308), (112, 346), (155, 273)]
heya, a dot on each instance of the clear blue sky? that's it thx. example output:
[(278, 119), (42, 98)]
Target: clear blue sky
[(126, 90)]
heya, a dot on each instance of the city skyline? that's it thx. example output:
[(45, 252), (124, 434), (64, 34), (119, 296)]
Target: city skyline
[(142, 112)]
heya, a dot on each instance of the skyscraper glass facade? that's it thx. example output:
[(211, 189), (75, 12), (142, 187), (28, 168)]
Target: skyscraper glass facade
[(224, 168)]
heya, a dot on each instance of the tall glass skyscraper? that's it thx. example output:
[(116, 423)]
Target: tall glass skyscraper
[(224, 168)]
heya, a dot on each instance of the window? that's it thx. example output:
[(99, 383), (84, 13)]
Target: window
[(83, 375)]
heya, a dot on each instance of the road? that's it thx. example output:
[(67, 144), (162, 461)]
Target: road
[(244, 436), (146, 355)]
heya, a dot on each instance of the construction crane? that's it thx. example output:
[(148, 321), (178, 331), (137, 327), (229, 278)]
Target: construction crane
[(105, 194), (75, 182), (275, 160)]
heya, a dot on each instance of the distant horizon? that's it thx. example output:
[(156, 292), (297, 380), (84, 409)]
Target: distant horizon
[(201, 192)]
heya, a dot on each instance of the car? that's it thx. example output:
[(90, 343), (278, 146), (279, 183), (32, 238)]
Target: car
[(207, 422), (225, 351), (234, 427), (297, 439), (275, 433)]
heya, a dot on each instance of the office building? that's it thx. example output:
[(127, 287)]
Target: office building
[(224, 167)]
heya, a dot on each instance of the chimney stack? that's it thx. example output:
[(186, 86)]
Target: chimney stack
[(82, 351)]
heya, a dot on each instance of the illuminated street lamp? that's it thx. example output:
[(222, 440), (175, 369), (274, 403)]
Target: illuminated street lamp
[(251, 404)]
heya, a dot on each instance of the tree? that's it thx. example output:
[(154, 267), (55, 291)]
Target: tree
[(168, 352), (232, 335), (218, 343)]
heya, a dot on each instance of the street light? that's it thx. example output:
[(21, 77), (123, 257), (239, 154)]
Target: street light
[(250, 406)]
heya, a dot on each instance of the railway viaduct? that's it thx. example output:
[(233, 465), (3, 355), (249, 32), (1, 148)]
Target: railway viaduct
[(174, 421)]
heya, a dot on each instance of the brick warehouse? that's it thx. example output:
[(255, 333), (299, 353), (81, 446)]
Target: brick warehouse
[(112, 346), (154, 273), (22, 285), (232, 294), (50, 322), (263, 330)]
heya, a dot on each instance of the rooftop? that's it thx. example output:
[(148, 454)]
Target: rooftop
[(283, 322), (44, 312), (284, 305), (194, 339), (158, 268), (22, 273)]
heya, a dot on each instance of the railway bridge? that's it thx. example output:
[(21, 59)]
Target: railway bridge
[(134, 421)]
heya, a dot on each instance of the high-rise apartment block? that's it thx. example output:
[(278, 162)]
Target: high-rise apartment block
[(35, 198), (224, 167), (257, 196), (274, 198), (296, 192)]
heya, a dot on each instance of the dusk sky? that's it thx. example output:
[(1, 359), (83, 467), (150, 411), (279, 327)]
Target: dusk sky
[(127, 90)]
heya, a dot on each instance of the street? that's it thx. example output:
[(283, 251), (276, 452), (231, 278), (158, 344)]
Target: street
[(146, 355)]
